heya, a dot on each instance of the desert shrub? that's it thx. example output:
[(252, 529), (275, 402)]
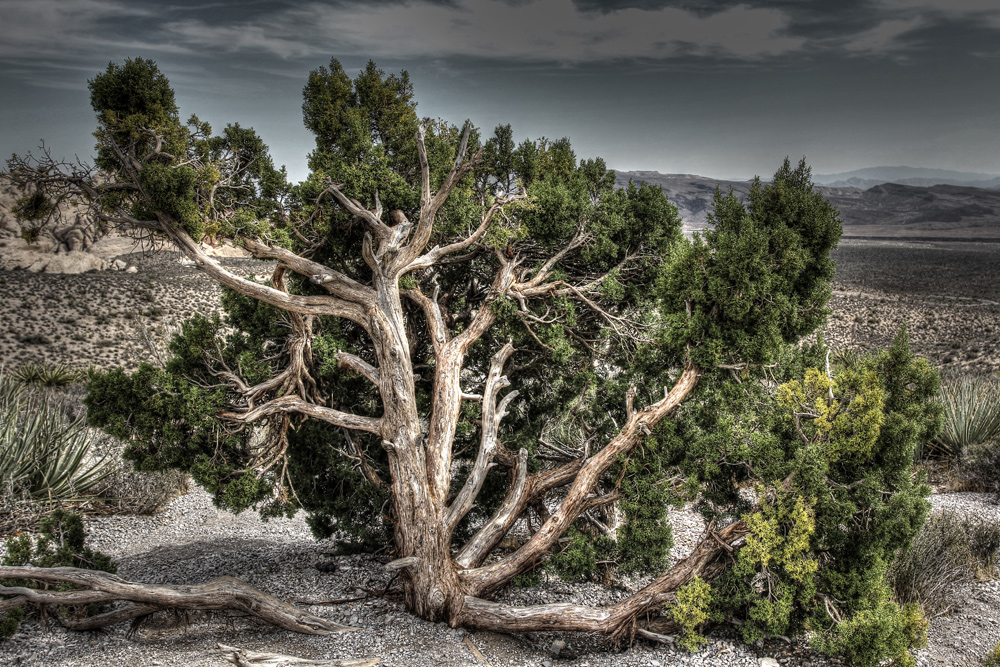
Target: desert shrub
[(127, 490), (993, 657), (47, 374), (691, 611), (971, 414), (949, 552), (61, 543), (40, 451), (18, 512), (979, 468), (33, 339)]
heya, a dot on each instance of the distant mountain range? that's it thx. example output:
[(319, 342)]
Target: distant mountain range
[(872, 176), (883, 210)]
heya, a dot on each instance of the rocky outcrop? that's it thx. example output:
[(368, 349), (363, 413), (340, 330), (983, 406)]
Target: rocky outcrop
[(73, 242)]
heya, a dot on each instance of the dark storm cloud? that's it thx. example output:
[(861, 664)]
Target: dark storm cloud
[(562, 32), (650, 84)]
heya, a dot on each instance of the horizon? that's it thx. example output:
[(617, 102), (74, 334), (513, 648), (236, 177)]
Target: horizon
[(724, 89)]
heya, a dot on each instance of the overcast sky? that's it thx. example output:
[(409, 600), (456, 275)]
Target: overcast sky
[(720, 88)]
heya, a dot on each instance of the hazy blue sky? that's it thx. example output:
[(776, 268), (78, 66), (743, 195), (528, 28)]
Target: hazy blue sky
[(719, 88)]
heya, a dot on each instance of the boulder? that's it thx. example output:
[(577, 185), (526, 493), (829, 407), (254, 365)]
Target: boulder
[(74, 261), (223, 250), (112, 245), (74, 239)]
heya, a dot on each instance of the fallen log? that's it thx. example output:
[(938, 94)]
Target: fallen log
[(222, 594), (245, 658)]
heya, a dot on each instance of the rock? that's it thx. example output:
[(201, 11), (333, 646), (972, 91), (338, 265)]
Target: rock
[(769, 662), (112, 245), (557, 647), (223, 250), (132, 269), (119, 265), (74, 239), (74, 261)]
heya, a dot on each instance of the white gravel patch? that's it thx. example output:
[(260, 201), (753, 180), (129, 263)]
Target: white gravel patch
[(191, 541)]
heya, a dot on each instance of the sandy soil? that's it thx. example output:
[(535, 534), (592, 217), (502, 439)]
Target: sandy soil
[(946, 294)]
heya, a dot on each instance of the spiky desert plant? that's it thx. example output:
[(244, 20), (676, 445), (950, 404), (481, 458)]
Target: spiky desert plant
[(42, 452), (971, 414), (48, 374)]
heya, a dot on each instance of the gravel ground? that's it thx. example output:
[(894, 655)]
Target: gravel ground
[(192, 542)]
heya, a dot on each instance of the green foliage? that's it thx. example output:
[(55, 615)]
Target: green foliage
[(204, 184), (836, 498), (992, 658), (971, 414), (577, 559), (61, 543), (759, 279), (10, 621), (47, 374), (34, 206), (40, 452), (880, 629), (694, 600)]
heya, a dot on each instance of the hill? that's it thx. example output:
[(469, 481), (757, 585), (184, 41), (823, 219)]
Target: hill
[(920, 177), (886, 210)]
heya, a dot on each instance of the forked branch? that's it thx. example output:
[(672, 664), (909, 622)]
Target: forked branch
[(486, 579), (614, 620)]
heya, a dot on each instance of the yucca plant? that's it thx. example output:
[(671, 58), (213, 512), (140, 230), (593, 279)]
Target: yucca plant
[(40, 451), (971, 414), (48, 374)]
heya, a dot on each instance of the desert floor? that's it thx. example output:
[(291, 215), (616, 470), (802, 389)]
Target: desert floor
[(946, 294)]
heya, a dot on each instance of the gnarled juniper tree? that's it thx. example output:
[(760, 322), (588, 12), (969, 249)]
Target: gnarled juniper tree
[(460, 335)]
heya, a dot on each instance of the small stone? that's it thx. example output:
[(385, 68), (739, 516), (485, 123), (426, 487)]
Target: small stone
[(769, 662), (557, 647)]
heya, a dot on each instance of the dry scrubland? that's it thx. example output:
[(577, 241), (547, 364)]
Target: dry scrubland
[(947, 294)]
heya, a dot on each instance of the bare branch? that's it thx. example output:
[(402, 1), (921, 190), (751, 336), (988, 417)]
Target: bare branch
[(614, 620), (437, 253), (436, 326), (285, 404), (358, 365), (491, 534), (489, 578), (379, 228), (311, 305), (492, 415), (221, 593), (332, 281), (430, 204)]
